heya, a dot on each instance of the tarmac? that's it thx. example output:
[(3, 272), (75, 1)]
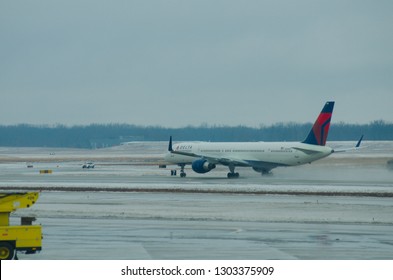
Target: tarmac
[(128, 208)]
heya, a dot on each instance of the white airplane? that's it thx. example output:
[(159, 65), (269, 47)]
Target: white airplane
[(260, 156)]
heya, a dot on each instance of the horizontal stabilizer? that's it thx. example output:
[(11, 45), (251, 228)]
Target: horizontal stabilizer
[(306, 151)]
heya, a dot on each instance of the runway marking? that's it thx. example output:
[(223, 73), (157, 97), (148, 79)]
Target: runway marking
[(201, 191)]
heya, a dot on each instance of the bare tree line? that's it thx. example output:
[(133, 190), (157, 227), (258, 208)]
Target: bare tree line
[(104, 135)]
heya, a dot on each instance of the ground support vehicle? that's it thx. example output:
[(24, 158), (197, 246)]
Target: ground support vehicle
[(25, 237)]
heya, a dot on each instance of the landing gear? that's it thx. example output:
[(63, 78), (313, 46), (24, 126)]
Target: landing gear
[(266, 173), (232, 173), (182, 173), (263, 171)]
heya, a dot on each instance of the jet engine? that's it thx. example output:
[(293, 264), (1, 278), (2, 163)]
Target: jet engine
[(202, 166)]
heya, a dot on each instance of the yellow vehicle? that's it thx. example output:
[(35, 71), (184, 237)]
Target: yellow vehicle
[(22, 238)]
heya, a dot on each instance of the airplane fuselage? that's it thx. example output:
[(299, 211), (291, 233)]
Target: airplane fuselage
[(260, 155)]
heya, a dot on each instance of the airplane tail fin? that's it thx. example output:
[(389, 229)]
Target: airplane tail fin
[(320, 129)]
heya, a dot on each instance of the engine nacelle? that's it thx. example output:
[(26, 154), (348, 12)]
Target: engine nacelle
[(202, 166)]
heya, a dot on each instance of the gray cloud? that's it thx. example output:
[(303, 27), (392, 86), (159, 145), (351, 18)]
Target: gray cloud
[(175, 63)]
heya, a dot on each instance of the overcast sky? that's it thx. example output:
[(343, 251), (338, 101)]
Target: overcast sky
[(176, 63)]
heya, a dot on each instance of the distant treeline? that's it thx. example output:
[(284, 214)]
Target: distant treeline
[(104, 135)]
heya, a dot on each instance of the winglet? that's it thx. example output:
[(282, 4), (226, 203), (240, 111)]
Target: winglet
[(170, 145), (359, 142)]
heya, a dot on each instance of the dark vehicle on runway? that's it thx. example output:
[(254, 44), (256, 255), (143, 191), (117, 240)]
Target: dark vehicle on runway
[(88, 165)]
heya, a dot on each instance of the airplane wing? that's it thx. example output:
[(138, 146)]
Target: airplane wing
[(357, 147), (235, 162)]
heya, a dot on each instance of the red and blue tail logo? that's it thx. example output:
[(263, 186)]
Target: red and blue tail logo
[(320, 129)]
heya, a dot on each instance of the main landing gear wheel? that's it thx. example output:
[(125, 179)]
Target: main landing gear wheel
[(233, 175), (183, 174)]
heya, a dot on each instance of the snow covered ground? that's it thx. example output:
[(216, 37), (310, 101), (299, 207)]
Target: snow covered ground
[(127, 208)]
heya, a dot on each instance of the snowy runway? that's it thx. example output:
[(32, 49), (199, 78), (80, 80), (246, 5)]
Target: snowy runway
[(338, 208)]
